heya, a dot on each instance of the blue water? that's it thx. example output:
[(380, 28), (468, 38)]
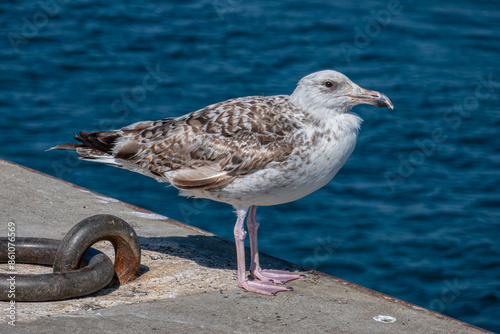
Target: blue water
[(415, 211)]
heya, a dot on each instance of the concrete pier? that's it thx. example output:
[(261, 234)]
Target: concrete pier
[(187, 281)]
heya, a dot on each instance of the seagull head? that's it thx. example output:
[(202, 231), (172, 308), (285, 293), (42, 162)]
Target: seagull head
[(327, 91)]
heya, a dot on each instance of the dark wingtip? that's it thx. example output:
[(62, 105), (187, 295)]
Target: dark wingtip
[(102, 141)]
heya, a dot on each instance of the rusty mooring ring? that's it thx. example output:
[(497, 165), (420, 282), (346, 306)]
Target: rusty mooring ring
[(67, 281), (98, 228)]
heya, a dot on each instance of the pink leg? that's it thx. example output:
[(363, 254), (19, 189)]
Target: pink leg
[(275, 276), (265, 288)]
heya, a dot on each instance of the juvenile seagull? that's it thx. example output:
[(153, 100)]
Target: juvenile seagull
[(248, 151)]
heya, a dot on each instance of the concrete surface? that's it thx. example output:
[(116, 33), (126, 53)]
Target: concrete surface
[(187, 280)]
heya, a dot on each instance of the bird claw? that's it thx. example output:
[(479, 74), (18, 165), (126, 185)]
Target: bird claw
[(263, 287), (275, 276)]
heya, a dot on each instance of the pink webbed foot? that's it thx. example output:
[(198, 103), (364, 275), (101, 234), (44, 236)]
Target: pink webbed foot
[(275, 276), (268, 278), (263, 287)]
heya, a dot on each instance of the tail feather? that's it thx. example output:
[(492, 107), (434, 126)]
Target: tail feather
[(66, 147), (93, 154)]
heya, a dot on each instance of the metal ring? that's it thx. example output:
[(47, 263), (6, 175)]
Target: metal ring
[(97, 228), (67, 256), (55, 286)]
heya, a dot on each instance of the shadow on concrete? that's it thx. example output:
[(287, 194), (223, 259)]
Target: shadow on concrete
[(209, 251)]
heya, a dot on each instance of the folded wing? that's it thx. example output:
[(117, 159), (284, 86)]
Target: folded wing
[(205, 149)]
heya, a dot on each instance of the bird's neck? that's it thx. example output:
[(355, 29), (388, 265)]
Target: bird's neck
[(325, 117)]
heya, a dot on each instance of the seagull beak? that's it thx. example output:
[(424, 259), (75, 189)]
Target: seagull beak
[(365, 96)]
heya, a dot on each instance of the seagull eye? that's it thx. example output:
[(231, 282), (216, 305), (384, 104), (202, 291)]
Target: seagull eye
[(329, 84)]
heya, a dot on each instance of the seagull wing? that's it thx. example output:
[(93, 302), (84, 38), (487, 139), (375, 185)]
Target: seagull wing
[(205, 149)]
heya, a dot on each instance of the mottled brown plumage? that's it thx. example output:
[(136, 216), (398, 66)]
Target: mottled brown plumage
[(207, 148)]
